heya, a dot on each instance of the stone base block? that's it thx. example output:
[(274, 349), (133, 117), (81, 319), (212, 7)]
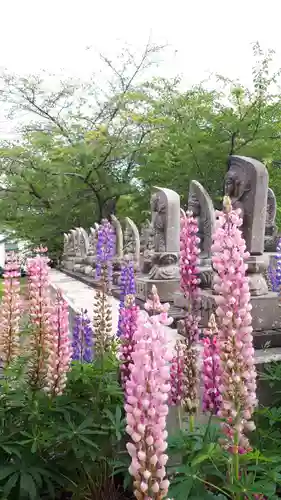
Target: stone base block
[(166, 288), (265, 312)]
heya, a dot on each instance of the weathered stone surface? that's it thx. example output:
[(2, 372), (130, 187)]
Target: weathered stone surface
[(119, 236), (165, 288), (246, 183), (271, 238), (265, 314), (132, 241), (165, 205), (201, 205)]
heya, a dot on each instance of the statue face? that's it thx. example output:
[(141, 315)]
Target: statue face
[(229, 184), (194, 205), (167, 260)]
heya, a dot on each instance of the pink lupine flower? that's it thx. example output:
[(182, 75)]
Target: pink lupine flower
[(39, 312), (127, 328), (41, 249), (146, 409), (59, 348), (211, 371), (189, 261), (185, 376), (10, 311), (154, 307), (235, 339)]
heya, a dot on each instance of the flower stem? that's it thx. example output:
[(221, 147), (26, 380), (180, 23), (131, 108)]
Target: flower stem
[(236, 463), (191, 423)]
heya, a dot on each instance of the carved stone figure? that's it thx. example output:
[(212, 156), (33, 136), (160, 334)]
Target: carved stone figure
[(158, 210), (132, 241), (65, 244), (76, 241), (201, 205), (246, 183), (119, 236), (92, 242), (83, 242), (71, 243), (161, 262), (270, 240), (167, 217)]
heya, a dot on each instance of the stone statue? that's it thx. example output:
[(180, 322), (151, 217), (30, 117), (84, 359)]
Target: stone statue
[(76, 242), (132, 240), (271, 229), (166, 220), (92, 242), (83, 242), (158, 210), (65, 244), (201, 205), (119, 236), (246, 183), (270, 226), (163, 259), (146, 237)]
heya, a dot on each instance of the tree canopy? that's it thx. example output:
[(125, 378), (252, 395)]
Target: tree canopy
[(85, 153)]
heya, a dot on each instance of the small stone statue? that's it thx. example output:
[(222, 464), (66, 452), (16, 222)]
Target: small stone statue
[(158, 210), (246, 184), (201, 206), (270, 239)]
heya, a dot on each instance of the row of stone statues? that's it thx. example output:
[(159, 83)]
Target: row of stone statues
[(155, 248)]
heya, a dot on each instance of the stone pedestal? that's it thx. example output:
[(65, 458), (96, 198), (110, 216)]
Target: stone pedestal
[(257, 265), (165, 288), (265, 313)]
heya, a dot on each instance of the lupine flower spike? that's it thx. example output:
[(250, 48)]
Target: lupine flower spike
[(189, 272), (146, 409), (128, 326), (59, 348), (235, 339), (211, 371), (105, 253), (278, 268), (10, 311), (127, 287), (83, 338), (40, 318), (102, 320)]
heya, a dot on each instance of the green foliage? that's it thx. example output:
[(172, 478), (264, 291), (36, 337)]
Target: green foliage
[(68, 442), (205, 469), (86, 156)]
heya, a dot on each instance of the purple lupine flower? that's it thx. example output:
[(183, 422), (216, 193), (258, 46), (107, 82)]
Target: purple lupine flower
[(127, 287), (105, 250), (83, 338), (274, 272), (278, 267)]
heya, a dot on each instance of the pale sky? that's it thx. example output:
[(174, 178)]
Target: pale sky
[(208, 35)]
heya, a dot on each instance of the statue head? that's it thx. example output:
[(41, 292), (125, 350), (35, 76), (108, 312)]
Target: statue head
[(168, 259), (231, 184), (194, 205)]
